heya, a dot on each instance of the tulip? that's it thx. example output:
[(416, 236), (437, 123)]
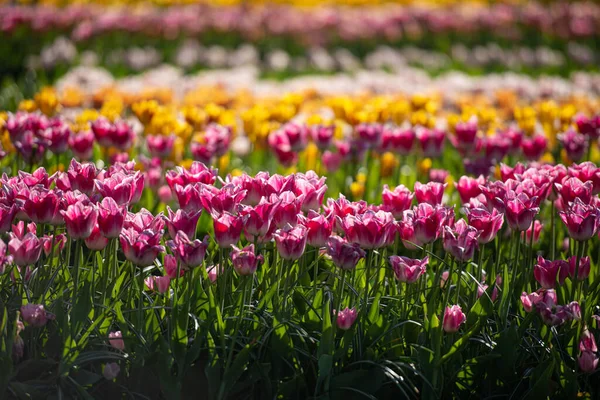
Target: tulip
[(57, 137), (159, 283), (581, 220), (343, 254), (345, 318), (245, 261), (371, 230), (332, 161), (542, 296), (588, 361), (7, 214), (221, 200), (115, 339), (406, 230), (432, 142), (188, 197), (170, 265), (588, 126), (258, 219), (111, 217), (25, 250), (80, 220), (198, 173), (96, 241), (165, 194), (35, 315), (82, 144), (319, 228), (461, 241), (322, 135), (575, 144), (111, 371), (122, 188), (58, 241), (487, 223), (291, 241), (370, 134), (396, 201), (144, 220), (546, 272), (587, 341), (42, 206), (398, 140), (468, 188), (465, 135), (430, 193), (453, 319), (428, 221), (213, 272), (5, 260), (520, 211), (312, 187), (534, 147), (82, 177), (182, 221), (141, 248), (160, 146), (288, 208), (583, 271), (190, 253), (586, 171), (534, 230), (573, 188), (227, 228), (407, 269)]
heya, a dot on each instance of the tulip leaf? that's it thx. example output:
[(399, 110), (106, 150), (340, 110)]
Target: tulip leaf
[(460, 343), (539, 385)]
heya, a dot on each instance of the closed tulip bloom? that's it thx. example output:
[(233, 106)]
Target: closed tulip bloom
[(288, 207), (453, 319), (586, 171), (258, 219), (96, 241), (213, 272), (332, 161), (245, 261), (291, 241), (141, 248), (546, 272), (111, 371), (534, 230), (581, 220), (461, 241), (430, 193), (188, 197), (588, 361), (83, 176), (7, 215), (319, 228), (406, 231), (80, 220), (160, 146), (487, 223), (534, 147), (181, 220), (35, 315), (312, 187), (144, 220), (587, 341), (170, 266), (345, 318), (520, 211), (159, 283), (432, 142), (120, 187), (398, 140), (111, 217), (575, 144), (343, 254), (322, 135), (82, 144), (371, 230), (115, 339), (584, 268), (58, 241), (42, 205), (396, 201), (25, 250), (371, 134), (227, 228), (408, 270), (221, 200), (190, 253), (572, 188), (428, 221), (468, 188)]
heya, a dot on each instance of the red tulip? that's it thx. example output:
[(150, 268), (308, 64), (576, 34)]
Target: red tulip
[(227, 228), (468, 188), (520, 210), (319, 228), (546, 272)]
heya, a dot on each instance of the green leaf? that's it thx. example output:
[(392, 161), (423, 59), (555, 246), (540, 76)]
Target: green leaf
[(238, 367), (482, 309), (539, 384), (460, 342)]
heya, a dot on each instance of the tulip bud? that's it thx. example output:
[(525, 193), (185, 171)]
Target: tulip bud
[(453, 319)]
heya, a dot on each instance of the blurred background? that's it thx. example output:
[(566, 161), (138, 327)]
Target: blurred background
[(93, 46)]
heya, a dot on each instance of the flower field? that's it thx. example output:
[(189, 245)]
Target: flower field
[(373, 232)]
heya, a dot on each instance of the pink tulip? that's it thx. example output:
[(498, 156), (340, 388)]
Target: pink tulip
[(188, 197), (322, 135), (221, 200), (332, 161), (42, 206), (588, 126), (587, 341), (213, 272), (520, 210), (144, 220), (96, 241), (190, 253), (165, 194), (82, 177), (453, 319), (198, 173), (245, 261), (438, 175), (430, 193), (546, 272), (170, 265), (5, 260), (461, 241), (141, 248), (282, 147), (468, 188), (343, 254), (572, 188), (396, 201), (537, 229), (432, 142), (406, 231), (59, 243), (182, 221), (158, 283), (370, 134), (583, 271), (227, 228), (288, 208), (534, 147), (122, 188), (588, 361), (407, 269), (35, 315), (542, 296), (581, 220), (26, 249), (7, 214), (487, 223), (111, 371), (313, 188), (115, 339), (586, 171), (82, 144), (575, 144), (345, 318), (371, 230), (319, 228), (57, 136), (258, 219), (291, 241), (428, 221), (80, 220), (160, 146), (465, 135), (398, 140), (111, 217)]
